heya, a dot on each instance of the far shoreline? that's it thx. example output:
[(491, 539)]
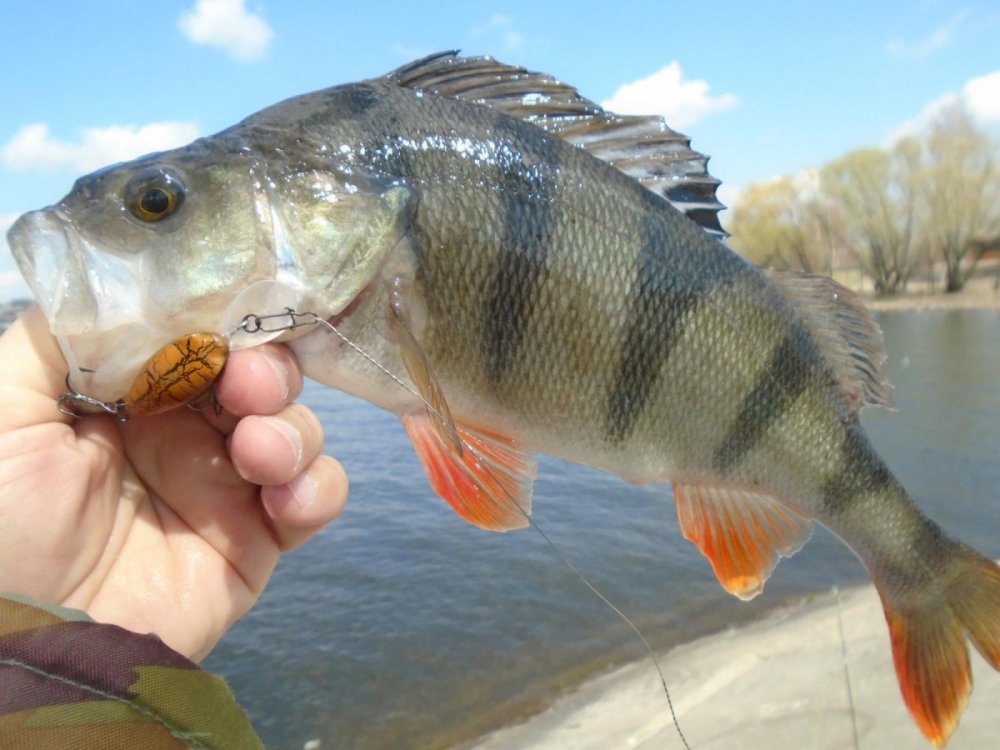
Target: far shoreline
[(981, 292)]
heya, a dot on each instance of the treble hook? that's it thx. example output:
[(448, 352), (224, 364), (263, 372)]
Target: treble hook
[(71, 398)]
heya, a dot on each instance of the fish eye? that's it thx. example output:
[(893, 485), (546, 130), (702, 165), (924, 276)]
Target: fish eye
[(154, 194)]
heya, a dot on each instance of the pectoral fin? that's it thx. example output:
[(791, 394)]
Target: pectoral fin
[(743, 534), (419, 369)]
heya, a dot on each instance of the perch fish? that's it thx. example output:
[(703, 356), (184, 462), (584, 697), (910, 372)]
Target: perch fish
[(544, 276)]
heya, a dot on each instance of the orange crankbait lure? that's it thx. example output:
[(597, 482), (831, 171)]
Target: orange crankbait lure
[(177, 374)]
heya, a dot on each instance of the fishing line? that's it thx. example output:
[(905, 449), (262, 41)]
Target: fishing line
[(385, 370), (555, 548), (623, 616), (847, 670)]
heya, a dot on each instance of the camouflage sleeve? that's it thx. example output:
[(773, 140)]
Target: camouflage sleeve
[(66, 681)]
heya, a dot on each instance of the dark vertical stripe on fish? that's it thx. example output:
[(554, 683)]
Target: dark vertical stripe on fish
[(514, 288), (655, 323), (863, 487), (862, 474), (785, 378), (527, 228)]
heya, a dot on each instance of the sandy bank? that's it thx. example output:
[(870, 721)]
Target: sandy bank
[(778, 684)]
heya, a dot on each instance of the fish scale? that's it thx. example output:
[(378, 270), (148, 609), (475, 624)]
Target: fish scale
[(540, 275)]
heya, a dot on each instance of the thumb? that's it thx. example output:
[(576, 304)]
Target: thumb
[(35, 373)]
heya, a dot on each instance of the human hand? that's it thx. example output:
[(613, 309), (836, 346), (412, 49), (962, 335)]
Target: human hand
[(169, 524)]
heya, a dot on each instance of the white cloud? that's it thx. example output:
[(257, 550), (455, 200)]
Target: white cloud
[(34, 146), (229, 25), (980, 95), (501, 27), (937, 39), (682, 103)]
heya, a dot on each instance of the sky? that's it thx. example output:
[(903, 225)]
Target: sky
[(765, 88)]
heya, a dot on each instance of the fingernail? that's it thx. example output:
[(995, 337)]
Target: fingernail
[(300, 492), (288, 433), (280, 367), (303, 489)]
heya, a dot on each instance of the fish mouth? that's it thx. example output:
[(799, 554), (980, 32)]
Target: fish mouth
[(53, 267), (80, 288), (92, 299)]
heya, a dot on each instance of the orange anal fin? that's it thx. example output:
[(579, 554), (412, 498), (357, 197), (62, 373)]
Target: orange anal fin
[(743, 534), (487, 479)]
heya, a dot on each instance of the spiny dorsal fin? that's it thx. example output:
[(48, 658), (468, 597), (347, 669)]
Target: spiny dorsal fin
[(513, 90), (643, 147), (848, 337)]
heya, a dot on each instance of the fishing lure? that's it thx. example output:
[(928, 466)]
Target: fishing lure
[(180, 372), (176, 375)]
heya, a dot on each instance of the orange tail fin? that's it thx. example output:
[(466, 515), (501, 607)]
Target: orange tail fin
[(928, 643)]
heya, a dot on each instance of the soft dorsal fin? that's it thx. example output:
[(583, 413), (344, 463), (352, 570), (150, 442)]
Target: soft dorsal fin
[(643, 147), (848, 337)]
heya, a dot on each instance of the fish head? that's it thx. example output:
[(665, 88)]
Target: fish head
[(141, 253)]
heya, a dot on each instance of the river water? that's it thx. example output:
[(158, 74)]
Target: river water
[(401, 626)]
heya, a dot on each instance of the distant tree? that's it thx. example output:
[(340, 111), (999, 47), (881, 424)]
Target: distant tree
[(872, 192), (928, 199), (779, 223), (960, 192)]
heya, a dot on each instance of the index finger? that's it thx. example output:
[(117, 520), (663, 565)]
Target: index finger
[(263, 380)]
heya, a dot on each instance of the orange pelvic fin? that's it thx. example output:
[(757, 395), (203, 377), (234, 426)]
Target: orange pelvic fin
[(928, 642), (486, 478), (743, 534)]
